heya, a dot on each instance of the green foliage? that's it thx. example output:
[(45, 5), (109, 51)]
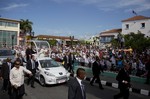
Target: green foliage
[(136, 41), (52, 42), (26, 26), (82, 42), (114, 43)]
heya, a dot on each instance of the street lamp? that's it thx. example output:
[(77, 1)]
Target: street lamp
[(12, 37), (94, 42), (71, 38)]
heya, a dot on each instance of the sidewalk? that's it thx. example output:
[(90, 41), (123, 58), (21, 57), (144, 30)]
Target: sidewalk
[(108, 79)]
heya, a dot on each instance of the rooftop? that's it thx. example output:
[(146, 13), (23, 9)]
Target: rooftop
[(5, 19), (54, 37), (112, 31), (138, 17)]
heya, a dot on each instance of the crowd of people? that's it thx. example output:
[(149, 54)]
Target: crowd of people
[(110, 59), (88, 56)]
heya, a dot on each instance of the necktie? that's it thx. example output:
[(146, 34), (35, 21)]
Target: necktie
[(21, 60), (67, 59), (33, 65), (9, 65), (83, 90)]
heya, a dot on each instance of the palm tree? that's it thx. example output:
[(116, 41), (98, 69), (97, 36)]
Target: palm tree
[(26, 27)]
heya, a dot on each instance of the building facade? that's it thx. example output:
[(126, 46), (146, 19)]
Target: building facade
[(9, 32), (107, 36), (136, 24), (61, 40)]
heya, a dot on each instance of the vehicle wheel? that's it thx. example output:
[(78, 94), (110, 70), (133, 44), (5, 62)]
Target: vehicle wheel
[(42, 81)]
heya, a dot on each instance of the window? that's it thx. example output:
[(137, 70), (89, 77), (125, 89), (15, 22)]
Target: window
[(9, 24), (1, 23), (142, 25), (5, 37), (127, 26)]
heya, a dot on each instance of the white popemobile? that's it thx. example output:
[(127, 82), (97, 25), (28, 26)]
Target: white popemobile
[(49, 71)]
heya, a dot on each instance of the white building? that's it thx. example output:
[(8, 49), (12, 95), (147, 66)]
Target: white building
[(136, 24), (9, 32), (107, 36)]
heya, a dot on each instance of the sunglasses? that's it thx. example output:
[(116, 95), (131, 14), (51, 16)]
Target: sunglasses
[(17, 64)]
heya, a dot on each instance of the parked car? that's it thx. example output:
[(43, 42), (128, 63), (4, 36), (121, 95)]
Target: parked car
[(50, 72)]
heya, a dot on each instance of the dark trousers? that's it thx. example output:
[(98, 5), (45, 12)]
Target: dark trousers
[(31, 79), (70, 68), (123, 93), (17, 93), (5, 84), (148, 77), (97, 80)]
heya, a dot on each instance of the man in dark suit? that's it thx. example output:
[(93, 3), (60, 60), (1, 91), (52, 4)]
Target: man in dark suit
[(5, 70), (69, 59), (76, 88), (71, 62), (21, 59), (29, 52), (97, 69), (32, 66), (147, 67), (123, 79), (66, 60)]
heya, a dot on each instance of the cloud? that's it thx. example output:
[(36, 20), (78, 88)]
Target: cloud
[(143, 8), (109, 5), (63, 1), (125, 3), (13, 6)]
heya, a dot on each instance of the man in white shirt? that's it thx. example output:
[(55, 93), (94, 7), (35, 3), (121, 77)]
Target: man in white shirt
[(17, 80)]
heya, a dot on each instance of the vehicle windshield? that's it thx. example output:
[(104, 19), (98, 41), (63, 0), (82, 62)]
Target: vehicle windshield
[(49, 63), (6, 52), (40, 45)]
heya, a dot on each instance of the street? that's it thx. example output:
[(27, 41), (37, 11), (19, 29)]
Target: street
[(61, 91)]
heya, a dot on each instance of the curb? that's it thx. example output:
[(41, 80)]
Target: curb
[(115, 85), (114, 74)]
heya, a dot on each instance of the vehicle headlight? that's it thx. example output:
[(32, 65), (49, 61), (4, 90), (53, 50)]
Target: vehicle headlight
[(49, 74)]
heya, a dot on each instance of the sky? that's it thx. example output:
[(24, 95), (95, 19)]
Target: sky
[(78, 18)]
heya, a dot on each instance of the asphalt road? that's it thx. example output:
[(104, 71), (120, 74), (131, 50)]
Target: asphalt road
[(61, 91)]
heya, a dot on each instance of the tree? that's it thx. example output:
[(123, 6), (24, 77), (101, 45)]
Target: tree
[(115, 43), (137, 41), (26, 27)]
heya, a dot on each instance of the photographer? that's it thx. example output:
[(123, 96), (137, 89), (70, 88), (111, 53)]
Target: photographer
[(123, 79)]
